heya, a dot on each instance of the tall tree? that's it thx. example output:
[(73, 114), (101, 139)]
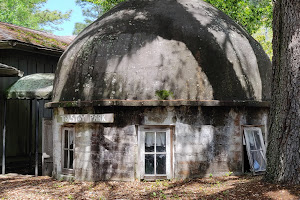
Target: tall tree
[(251, 14), (105, 4), (29, 14), (254, 15), (283, 153), (90, 11)]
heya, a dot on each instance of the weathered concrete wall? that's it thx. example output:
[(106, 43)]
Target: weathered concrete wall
[(57, 144), (211, 148), (104, 153), (47, 147), (205, 140)]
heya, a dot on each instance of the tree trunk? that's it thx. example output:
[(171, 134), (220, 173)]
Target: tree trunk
[(283, 153)]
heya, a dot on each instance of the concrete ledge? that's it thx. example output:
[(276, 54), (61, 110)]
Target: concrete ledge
[(152, 103)]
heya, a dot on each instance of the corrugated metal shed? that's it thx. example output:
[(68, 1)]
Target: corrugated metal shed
[(34, 86), (9, 71)]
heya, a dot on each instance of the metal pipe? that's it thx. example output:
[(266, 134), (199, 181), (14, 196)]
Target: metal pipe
[(37, 139), (3, 138)]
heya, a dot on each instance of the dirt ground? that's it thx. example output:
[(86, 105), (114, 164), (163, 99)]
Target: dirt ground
[(14, 186)]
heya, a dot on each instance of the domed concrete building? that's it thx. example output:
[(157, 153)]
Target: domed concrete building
[(160, 89)]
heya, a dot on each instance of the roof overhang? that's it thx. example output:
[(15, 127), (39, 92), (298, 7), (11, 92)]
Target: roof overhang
[(15, 44), (9, 71), (34, 86)]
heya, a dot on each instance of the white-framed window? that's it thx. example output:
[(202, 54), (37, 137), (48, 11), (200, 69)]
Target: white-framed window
[(68, 147), (155, 153), (256, 149)]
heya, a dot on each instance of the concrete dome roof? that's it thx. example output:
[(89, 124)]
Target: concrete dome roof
[(187, 47)]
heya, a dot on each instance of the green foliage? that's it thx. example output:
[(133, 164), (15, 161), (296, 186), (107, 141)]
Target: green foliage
[(228, 173), (90, 11), (79, 27), (162, 195), (70, 196), (217, 184), (164, 94), (105, 4), (29, 14), (159, 183), (58, 185), (251, 14), (264, 37), (153, 194)]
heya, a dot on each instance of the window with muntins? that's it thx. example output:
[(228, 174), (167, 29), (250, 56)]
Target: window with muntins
[(68, 148), (155, 153)]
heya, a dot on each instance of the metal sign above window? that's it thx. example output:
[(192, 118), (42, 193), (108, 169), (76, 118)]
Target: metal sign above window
[(86, 118)]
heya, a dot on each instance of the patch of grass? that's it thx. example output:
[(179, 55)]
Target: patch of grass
[(228, 173), (162, 195), (164, 94), (154, 194), (217, 184), (226, 192), (58, 185)]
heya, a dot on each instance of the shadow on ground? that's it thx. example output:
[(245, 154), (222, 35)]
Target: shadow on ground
[(227, 187)]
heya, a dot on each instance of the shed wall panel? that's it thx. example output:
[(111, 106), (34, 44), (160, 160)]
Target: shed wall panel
[(20, 139)]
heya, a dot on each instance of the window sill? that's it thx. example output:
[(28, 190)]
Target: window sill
[(153, 178), (66, 177)]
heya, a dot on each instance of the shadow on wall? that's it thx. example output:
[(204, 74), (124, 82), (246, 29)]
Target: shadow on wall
[(208, 141), (110, 154), (128, 53)]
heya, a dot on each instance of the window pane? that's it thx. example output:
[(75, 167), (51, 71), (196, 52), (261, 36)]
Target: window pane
[(161, 142), (149, 164), (65, 158), (149, 141), (71, 160), (66, 138), (257, 140), (251, 141), (71, 140), (161, 164), (259, 163)]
